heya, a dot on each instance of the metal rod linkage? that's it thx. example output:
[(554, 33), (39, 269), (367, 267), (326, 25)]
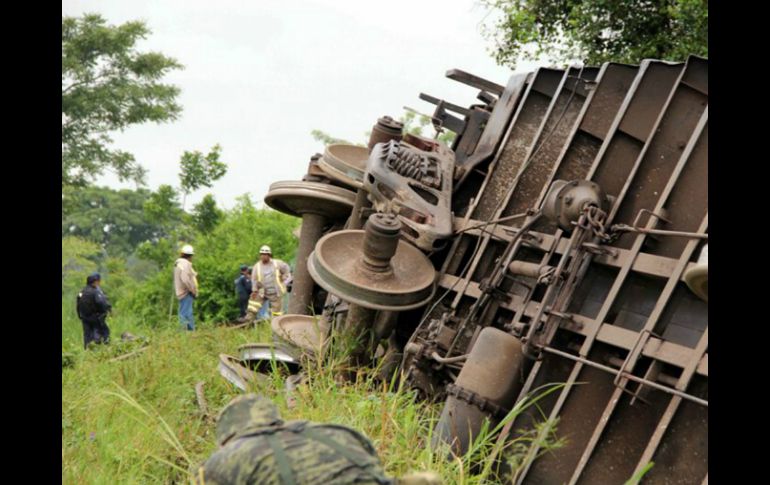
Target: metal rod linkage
[(657, 232), (627, 376)]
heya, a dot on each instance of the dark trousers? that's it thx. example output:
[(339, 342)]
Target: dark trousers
[(95, 330), (243, 305)]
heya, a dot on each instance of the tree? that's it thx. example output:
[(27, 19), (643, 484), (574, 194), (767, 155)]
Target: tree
[(234, 241), (327, 139), (114, 219), (78, 259), (159, 252), (198, 170), (414, 125), (107, 85), (597, 31), (162, 208), (206, 214)]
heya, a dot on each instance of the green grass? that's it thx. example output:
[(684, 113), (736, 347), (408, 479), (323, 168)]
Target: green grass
[(634, 480), (137, 420)]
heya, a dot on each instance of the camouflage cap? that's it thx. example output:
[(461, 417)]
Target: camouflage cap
[(245, 413)]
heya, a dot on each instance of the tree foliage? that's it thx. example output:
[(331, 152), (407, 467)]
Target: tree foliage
[(79, 258), (597, 31), (198, 170), (206, 214), (174, 224), (414, 123), (162, 207), (326, 138), (234, 241), (113, 219), (158, 252), (107, 85)]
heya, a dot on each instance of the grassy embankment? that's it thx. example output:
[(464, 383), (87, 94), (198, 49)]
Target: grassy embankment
[(136, 420)]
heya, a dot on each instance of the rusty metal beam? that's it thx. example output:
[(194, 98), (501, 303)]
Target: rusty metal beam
[(644, 263), (489, 143), (622, 338), (541, 165), (619, 372), (500, 206), (626, 117), (673, 405), (474, 81), (637, 89), (644, 89), (490, 139), (448, 106), (609, 90), (637, 243), (687, 373), (655, 348), (632, 358)]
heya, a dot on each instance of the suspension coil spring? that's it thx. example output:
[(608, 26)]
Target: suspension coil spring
[(410, 164)]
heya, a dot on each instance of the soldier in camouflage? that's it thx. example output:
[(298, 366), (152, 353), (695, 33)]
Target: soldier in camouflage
[(257, 446)]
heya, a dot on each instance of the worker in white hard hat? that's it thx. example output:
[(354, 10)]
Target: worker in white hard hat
[(186, 286), (269, 278)]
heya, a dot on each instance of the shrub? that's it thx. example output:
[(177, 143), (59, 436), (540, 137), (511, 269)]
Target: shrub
[(234, 241)]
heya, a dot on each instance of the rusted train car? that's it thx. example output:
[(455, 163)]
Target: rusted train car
[(562, 238)]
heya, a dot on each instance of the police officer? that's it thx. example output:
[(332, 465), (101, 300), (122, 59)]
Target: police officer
[(243, 291), (257, 446), (92, 307)]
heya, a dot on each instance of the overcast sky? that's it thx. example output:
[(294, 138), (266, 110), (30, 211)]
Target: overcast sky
[(260, 75)]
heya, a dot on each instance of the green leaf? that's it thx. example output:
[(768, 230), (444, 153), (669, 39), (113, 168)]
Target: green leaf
[(107, 86), (596, 31)]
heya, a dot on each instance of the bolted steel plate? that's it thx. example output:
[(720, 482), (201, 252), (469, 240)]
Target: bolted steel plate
[(345, 163), (299, 197), (335, 265)]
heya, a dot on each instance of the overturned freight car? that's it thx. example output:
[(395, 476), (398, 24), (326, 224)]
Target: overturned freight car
[(562, 238)]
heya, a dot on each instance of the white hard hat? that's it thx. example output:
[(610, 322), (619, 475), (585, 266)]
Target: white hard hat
[(187, 249), (265, 250)]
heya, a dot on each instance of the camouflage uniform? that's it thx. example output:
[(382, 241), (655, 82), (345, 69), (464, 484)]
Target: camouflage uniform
[(256, 446)]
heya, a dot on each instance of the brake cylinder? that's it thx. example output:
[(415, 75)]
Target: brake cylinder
[(485, 390)]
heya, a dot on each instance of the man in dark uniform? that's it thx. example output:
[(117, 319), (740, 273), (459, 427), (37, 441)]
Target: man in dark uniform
[(243, 290), (92, 307)]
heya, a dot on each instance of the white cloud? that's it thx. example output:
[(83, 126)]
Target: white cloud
[(261, 75)]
